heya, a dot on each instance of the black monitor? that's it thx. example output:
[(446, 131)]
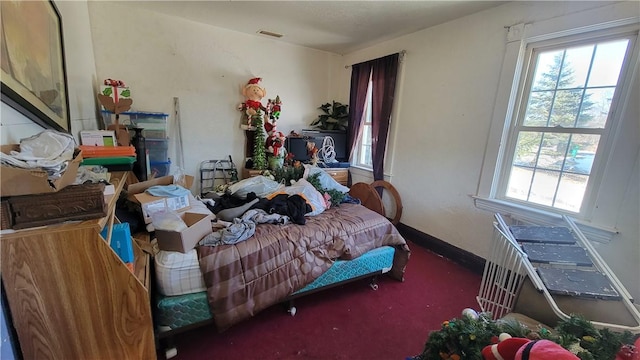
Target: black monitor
[(297, 145)]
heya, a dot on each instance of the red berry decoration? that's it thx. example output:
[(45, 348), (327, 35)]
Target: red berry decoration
[(627, 352)]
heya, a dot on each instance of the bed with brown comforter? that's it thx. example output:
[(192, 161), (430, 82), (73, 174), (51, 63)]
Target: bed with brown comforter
[(247, 277)]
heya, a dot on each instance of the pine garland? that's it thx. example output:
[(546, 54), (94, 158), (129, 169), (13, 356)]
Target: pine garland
[(465, 337), (287, 173), (336, 196), (259, 154)]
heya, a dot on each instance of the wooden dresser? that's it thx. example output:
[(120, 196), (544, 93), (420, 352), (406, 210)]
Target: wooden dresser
[(341, 175), (70, 295)]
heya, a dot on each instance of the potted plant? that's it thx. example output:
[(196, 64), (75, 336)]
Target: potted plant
[(335, 117)]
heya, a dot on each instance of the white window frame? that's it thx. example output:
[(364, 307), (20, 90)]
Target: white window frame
[(366, 122), (520, 39), (604, 146)]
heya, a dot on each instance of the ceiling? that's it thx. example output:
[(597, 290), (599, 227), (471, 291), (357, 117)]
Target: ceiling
[(335, 26)]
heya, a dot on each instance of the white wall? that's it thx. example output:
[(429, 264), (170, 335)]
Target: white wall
[(444, 112), (161, 57), (80, 66)]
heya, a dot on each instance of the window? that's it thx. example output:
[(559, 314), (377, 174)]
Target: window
[(566, 112), (363, 157)]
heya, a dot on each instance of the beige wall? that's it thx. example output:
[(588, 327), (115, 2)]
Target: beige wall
[(162, 57), (445, 107)]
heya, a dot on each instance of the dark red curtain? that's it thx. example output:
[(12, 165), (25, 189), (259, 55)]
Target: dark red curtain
[(383, 72), (383, 79), (360, 74)]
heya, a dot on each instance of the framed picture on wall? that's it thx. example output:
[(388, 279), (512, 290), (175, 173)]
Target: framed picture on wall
[(32, 62)]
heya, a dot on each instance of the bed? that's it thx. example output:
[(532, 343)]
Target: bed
[(279, 263)]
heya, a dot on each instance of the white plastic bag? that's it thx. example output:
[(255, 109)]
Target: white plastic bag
[(179, 178), (259, 185), (167, 220)]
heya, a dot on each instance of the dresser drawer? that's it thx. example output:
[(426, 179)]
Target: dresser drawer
[(340, 175)]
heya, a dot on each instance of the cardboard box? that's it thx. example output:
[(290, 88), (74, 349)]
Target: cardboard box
[(198, 226), (98, 137), (149, 203), (16, 181)]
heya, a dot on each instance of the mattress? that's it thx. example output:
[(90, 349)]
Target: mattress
[(182, 310), (178, 273), (376, 260)]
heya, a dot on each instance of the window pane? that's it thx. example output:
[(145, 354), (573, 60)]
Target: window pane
[(547, 70), (576, 67), (519, 182), (366, 135), (527, 148), (582, 152), (565, 108), (538, 108), (364, 157), (552, 151), (595, 108), (571, 192), (607, 63), (543, 187)]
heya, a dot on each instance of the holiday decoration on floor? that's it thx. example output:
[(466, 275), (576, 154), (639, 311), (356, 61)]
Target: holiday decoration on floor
[(475, 336)]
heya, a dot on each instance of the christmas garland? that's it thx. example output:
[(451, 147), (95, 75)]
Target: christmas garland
[(336, 196), (465, 337)]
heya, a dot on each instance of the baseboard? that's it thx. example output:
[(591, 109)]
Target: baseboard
[(469, 260)]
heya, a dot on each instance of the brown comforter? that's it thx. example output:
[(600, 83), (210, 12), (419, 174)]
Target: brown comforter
[(247, 277)]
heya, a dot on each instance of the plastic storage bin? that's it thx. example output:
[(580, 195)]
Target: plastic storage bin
[(154, 124), (157, 149), (159, 169)]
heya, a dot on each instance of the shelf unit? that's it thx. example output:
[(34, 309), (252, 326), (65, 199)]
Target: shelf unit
[(72, 297)]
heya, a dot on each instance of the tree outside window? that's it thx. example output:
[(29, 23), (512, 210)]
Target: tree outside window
[(566, 113)]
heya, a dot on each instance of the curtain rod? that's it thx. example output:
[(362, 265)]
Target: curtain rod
[(401, 52)]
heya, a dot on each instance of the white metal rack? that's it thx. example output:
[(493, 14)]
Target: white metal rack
[(508, 269)]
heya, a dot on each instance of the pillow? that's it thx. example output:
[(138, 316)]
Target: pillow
[(304, 188), (327, 182), (178, 273), (259, 185)]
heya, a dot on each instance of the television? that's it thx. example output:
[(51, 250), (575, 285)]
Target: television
[(297, 145)]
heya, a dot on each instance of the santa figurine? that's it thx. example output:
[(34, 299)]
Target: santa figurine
[(510, 348)]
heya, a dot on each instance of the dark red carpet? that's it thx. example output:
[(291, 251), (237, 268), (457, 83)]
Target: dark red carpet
[(348, 322)]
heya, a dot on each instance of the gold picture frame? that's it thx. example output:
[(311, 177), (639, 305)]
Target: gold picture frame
[(32, 62)]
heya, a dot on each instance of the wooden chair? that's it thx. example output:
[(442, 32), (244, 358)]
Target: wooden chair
[(369, 197)]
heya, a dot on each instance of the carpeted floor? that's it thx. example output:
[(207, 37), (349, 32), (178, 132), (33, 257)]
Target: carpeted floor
[(348, 322)]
